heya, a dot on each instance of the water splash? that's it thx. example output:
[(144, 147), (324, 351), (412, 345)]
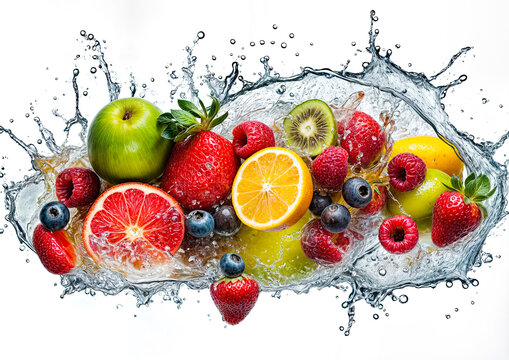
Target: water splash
[(415, 107)]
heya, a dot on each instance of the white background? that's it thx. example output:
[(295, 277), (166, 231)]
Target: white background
[(142, 37)]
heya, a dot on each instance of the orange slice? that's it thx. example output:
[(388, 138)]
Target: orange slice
[(272, 190), (133, 226)]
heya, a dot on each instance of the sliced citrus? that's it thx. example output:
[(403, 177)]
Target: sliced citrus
[(272, 190), (133, 225)]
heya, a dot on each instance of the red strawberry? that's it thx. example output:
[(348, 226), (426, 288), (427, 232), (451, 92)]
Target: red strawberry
[(406, 172), (55, 251), (330, 168), (234, 297), (77, 187), (362, 137), (200, 171), (250, 137), (458, 212), (398, 234), (377, 203), (324, 247)]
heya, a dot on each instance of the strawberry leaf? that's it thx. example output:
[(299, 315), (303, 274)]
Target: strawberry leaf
[(214, 108), (456, 183), (203, 106), (470, 178), (449, 187), (483, 185), (184, 117), (165, 118), (188, 106), (466, 200), (219, 120), (171, 131)]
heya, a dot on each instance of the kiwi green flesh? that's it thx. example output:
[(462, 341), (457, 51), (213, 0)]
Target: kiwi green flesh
[(311, 127)]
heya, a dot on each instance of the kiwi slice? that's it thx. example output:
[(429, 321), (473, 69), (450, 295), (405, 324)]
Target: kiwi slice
[(311, 127)]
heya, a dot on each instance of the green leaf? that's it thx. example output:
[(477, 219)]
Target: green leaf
[(377, 190), (171, 131), (483, 185), (456, 183), (449, 187), (188, 106), (203, 107), (219, 120), (488, 195), (466, 200), (181, 136), (214, 108), (165, 118), (470, 187), (184, 117), (470, 178)]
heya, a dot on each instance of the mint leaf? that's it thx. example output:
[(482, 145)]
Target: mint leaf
[(188, 106), (219, 120), (184, 117), (165, 118)]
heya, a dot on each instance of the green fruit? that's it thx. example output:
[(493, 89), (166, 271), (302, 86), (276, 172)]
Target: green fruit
[(419, 202), (275, 257), (125, 143), (311, 127)]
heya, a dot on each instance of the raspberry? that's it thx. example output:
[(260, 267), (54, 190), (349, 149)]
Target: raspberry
[(330, 167), (77, 187), (406, 172), (250, 137), (398, 234), (324, 247)]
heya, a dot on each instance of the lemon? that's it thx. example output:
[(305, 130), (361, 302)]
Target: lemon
[(272, 189), (436, 153)]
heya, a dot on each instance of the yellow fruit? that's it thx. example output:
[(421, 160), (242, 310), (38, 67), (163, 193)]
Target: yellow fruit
[(274, 257), (272, 190), (419, 202), (435, 153)]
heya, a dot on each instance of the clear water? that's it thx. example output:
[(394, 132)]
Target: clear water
[(407, 101)]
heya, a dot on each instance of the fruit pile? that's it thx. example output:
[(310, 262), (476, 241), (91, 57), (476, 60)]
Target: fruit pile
[(275, 203)]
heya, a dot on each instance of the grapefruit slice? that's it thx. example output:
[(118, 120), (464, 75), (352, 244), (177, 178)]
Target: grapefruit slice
[(133, 226)]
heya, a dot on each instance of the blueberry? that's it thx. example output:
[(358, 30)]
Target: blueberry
[(335, 218), (357, 192), (318, 203), (199, 223), (226, 221), (232, 265), (54, 216)]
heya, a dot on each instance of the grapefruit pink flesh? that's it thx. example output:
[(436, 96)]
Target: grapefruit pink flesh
[(133, 223)]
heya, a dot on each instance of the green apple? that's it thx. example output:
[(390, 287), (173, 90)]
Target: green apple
[(274, 257), (125, 143), (419, 202)]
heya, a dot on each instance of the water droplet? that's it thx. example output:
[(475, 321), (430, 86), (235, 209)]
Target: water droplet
[(144, 86), (93, 70), (310, 44), (341, 328), (274, 26), (213, 57), (484, 100), (291, 35), (252, 43), (472, 302), (39, 141), (232, 41), (449, 284), (262, 42), (409, 64), (382, 272), (85, 93), (296, 54), (283, 45), (501, 106), (398, 46), (243, 57), (200, 35), (11, 120), (403, 299), (152, 79), (27, 261), (83, 33), (456, 309), (76, 72), (272, 42), (447, 316), (474, 282), (375, 316), (1, 231), (90, 37), (354, 43)]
